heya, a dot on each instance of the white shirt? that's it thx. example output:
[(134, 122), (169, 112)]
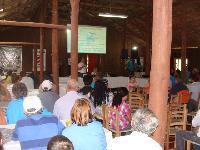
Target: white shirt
[(63, 106), (196, 122), (9, 88), (136, 141), (195, 89), (28, 81)]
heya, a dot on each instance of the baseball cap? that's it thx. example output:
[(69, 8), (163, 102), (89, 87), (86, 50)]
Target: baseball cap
[(32, 104), (46, 85)]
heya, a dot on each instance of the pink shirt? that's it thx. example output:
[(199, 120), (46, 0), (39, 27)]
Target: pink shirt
[(124, 112), (131, 86)]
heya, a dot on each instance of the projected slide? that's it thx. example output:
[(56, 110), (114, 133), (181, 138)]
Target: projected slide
[(91, 39)]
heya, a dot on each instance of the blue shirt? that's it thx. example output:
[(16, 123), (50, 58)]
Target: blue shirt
[(15, 111), (89, 137), (35, 131), (173, 80)]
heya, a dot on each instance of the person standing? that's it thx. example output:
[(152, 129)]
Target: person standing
[(82, 68)]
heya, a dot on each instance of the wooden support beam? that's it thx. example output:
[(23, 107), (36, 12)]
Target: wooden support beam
[(74, 38), (160, 64), (183, 54), (148, 38), (35, 60), (184, 43), (43, 11), (32, 24), (41, 55), (55, 66), (18, 43)]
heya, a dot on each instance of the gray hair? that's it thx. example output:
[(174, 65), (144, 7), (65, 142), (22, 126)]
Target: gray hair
[(72, 85), (145, 121)]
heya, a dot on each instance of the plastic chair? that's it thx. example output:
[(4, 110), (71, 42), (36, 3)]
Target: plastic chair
[(183, 96)]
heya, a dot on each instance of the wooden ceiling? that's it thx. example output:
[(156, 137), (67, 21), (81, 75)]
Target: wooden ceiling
[(186, 15)]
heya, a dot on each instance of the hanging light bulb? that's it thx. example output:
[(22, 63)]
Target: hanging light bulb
[(2, 6)]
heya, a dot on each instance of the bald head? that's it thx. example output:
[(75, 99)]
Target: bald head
[(72, 85)]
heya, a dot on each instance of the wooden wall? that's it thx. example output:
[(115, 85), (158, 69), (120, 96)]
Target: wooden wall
[(21, 35), (109, 62), (193, 56)]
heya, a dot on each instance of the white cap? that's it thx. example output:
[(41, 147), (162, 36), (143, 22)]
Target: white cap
[(2, 78), (46, 85), (32, 104)]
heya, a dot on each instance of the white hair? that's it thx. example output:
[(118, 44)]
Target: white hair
[(72, 85), (145, 121)]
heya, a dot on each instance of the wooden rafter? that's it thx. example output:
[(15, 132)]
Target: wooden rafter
[(31, 24), (18, 43)]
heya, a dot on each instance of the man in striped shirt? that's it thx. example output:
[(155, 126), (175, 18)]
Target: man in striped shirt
[(35, 131)]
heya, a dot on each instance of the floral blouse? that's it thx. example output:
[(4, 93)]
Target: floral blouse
[(124, 112)]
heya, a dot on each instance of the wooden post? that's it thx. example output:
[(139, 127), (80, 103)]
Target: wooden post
[(42, 19), (183, 52), (148, 38), (55, 67), (160, 64), (41, 55), (35, 60), (124, 36), (74, 38)]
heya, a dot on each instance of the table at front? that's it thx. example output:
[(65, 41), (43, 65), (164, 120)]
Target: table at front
[(113, 82)]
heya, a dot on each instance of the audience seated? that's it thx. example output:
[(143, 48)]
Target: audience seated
[(48, 97), (14, 79), (132, 83), (28, 81), (85, 133), (147, 87), (4, 93), (195, 75), (99, 77), (99, 93), (179, 86), (119, 102), (1, 141), (15, 107), (194, 136), (144, 123), (63, 105), (194, 89), (87, 80), (8, 77), (36, 129), (172, 77), (60, 142), (86, 93)]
